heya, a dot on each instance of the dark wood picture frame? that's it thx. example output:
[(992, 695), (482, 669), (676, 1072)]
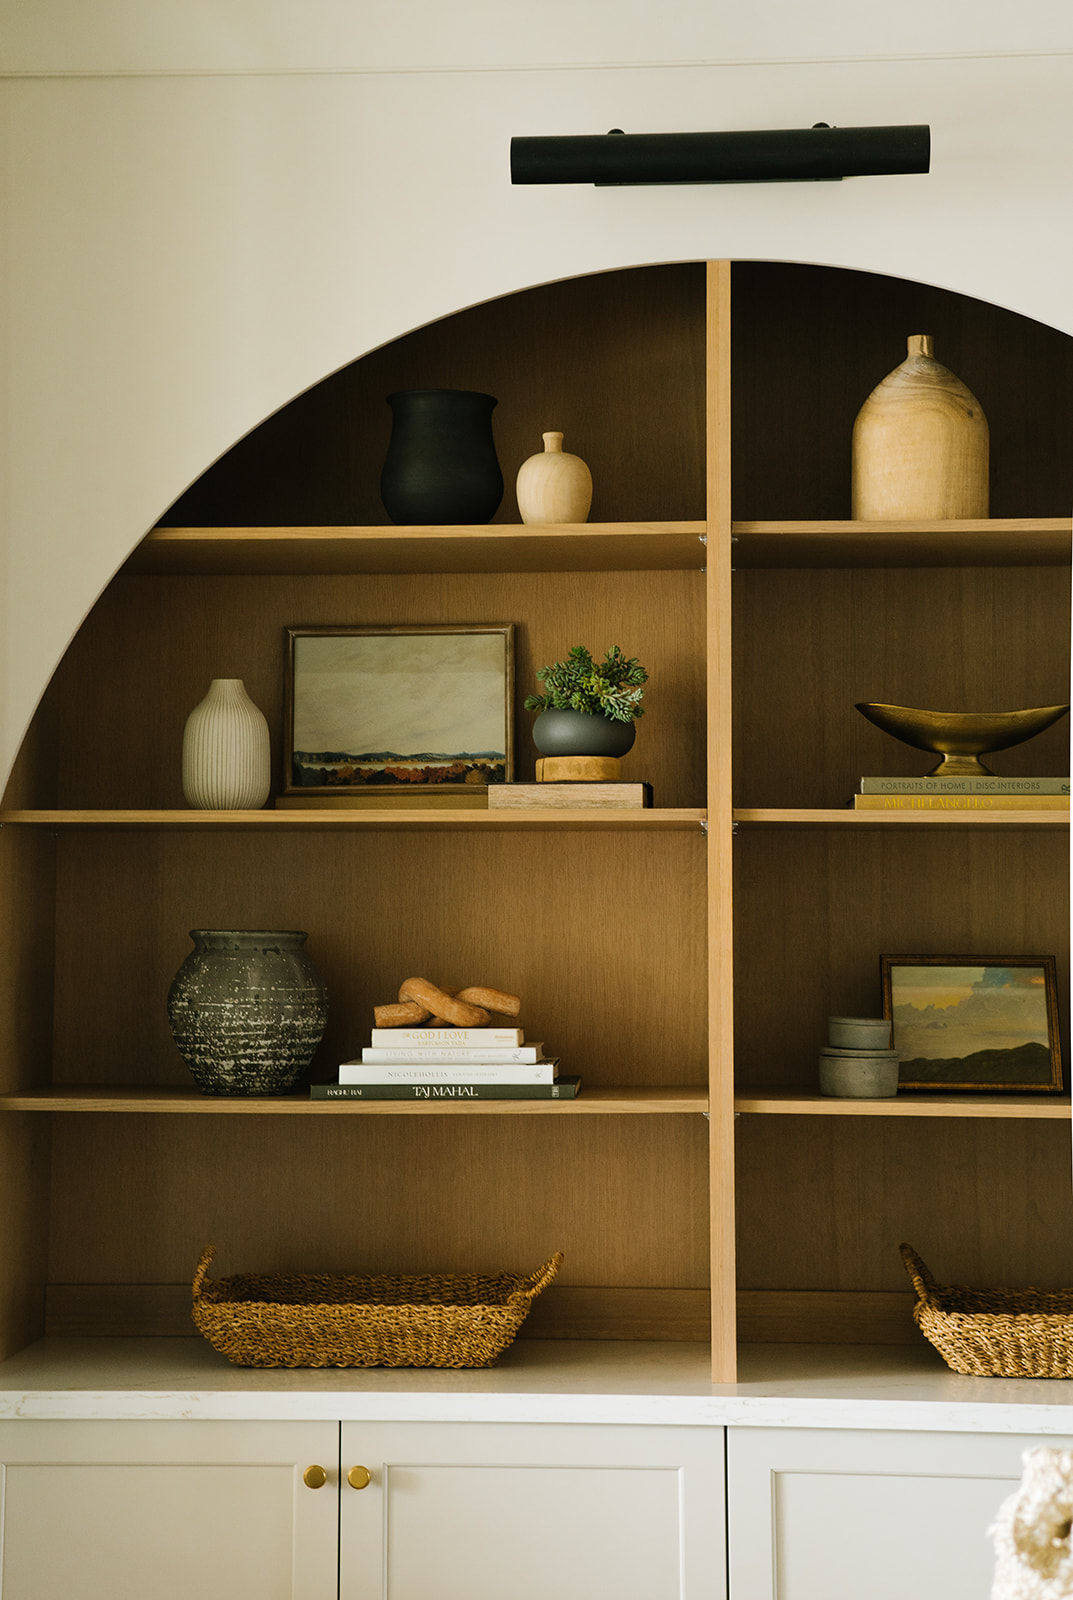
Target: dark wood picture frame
[(962, 1000), (389, 710)]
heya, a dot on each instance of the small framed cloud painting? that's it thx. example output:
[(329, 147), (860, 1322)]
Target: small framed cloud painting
[(974, 1022)]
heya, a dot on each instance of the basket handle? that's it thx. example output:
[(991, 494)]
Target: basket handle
[(923, 1282), (539, 1279), (202, 1268)]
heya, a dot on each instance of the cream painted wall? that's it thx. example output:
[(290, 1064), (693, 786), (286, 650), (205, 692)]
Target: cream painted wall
[(372, 35), (199, 225)]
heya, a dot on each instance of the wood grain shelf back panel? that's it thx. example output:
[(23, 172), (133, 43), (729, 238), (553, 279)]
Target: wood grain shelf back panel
[(813, 342), (809, 645), (615, 360), (135, 1199), (984, 1200), (841, 909), (144, 657), (565, 1311), (470, 915)]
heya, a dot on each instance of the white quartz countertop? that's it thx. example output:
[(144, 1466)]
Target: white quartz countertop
[(813, 1386)]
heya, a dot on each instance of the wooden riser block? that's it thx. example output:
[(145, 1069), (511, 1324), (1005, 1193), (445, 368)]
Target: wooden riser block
[(572, 796), (578, 769)]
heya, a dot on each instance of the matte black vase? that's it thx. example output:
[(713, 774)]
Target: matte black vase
[(441, 464)]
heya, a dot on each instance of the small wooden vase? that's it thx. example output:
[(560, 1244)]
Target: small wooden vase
[(920, 445), (554, 486)]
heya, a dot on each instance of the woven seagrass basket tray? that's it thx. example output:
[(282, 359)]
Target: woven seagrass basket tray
[(293, 1321), (994, 1333)]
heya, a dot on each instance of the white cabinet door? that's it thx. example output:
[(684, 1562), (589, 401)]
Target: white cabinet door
[(167, 1510), (533, 1512), (818, 1514)]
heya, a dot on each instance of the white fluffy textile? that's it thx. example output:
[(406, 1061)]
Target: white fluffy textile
[(1034, 1560)]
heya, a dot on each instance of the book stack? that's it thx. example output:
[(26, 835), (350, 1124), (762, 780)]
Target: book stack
[(982, 793), (434, 1063)]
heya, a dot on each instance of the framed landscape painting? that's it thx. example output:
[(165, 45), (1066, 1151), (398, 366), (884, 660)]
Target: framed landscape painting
[(393, 709), (974, 1022)]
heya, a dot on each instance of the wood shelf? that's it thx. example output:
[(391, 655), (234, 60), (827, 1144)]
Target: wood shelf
[(603, 1101), (994, 542), (498, 547), (647, 820), (595, 1101), (803, 1102), (598, 547), (846, 817)]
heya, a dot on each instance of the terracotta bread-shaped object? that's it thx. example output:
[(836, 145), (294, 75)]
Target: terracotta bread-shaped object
[(406, 1014), (554, 486), (920, 445), (457, 1013), (497, 1000)]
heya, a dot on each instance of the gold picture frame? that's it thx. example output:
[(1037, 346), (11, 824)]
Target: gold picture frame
[(390, 710), (974, 1023)]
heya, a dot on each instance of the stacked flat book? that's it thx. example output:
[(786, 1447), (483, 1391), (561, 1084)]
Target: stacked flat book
[(432, 1063), (976, 793)]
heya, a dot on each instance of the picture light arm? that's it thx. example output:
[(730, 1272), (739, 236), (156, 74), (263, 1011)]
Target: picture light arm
[(786, 155)]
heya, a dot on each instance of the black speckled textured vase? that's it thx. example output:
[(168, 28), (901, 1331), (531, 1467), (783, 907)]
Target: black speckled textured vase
[(441, 465), (247, 1010)]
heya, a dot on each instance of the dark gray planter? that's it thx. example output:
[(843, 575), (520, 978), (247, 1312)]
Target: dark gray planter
[(580, 733), (859, 1074), (247, 1010)]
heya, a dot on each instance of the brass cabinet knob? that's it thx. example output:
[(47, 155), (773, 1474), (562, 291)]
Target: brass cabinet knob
[(359, 1477), (314, 1477)]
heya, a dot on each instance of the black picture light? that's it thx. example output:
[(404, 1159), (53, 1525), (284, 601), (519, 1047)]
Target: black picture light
[(783, 155)]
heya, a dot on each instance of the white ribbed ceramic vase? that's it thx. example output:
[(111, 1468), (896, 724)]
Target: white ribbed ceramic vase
[(227, 758)]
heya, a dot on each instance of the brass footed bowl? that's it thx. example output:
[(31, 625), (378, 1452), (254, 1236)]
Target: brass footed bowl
[(960, 737)]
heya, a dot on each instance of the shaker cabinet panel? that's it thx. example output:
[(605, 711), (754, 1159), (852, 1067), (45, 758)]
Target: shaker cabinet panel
[(124, 1510), (477, 1512), (833, 1514)]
